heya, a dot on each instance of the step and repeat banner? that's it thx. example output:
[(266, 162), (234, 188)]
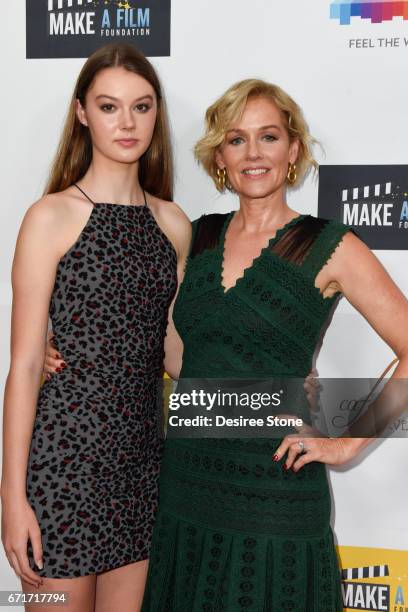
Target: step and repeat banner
[(345, 64), (76, 28)]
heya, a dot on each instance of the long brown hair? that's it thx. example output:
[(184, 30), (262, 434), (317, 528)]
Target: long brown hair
[(74, 153)]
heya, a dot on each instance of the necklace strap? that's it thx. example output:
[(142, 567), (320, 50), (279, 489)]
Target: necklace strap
[(83, 192), (94, 203)]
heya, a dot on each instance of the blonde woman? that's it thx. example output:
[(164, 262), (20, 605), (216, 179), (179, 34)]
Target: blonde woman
[(244, 524), (99, 253)]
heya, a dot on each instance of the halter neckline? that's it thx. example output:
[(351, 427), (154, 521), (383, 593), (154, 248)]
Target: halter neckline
[(111, 203)]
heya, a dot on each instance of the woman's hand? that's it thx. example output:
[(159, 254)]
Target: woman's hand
[(312, 388), (19, 524), (303, 448), (53, 362)]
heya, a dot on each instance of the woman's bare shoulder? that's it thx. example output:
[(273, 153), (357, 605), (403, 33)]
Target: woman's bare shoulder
[(170, 214), (168, 210), (56, 208), (173, 221), (54, 221), (69, 200)]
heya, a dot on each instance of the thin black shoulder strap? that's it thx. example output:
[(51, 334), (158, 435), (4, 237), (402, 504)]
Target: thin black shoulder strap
[(87, 196)]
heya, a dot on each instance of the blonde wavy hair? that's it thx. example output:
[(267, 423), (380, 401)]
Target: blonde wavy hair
[(229, 108)]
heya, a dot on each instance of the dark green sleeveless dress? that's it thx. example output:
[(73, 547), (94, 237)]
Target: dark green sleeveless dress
[(234, 531)]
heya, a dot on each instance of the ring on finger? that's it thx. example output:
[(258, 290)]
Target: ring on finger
[(302, 447)]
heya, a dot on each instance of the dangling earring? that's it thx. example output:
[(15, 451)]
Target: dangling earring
[(221, 178), (291, 176)]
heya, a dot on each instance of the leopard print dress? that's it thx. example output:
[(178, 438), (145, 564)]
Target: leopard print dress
[(96, 445)]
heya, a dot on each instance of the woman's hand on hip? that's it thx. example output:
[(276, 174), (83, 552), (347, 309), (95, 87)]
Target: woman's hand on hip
[(304, 448)]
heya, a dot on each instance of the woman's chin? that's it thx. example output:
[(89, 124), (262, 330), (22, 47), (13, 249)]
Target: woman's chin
[(256, 191), (259, 187)]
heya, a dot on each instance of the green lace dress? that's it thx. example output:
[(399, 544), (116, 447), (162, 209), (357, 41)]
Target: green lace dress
[(234, 531)]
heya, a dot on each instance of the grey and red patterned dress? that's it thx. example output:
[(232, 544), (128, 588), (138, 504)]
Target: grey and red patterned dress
[(96, 445)]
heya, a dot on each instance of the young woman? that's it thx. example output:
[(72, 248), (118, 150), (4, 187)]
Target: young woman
[(244, 524), (99, 253)]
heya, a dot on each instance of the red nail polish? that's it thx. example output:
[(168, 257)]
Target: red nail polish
[(285, 467), (58, 370), (63, 365), (275, 458)]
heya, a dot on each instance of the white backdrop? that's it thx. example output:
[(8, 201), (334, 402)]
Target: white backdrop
[(355, 101)]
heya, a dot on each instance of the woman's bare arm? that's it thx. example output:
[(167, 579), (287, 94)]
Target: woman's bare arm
[(360, 276), (369, 288), (33, 276), (177, 227)]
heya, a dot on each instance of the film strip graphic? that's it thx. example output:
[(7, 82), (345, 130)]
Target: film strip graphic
[(368, 571), (368, 191), (61, 4)]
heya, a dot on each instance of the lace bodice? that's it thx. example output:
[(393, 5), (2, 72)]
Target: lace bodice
[(269, 323)]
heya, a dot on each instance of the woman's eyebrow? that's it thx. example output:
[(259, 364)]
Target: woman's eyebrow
[(268, 127), (235, 130), (149, 96), (264, 127)]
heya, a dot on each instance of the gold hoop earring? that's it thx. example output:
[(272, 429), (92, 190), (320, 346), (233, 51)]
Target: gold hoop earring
[(291, 176), (221, 178)]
